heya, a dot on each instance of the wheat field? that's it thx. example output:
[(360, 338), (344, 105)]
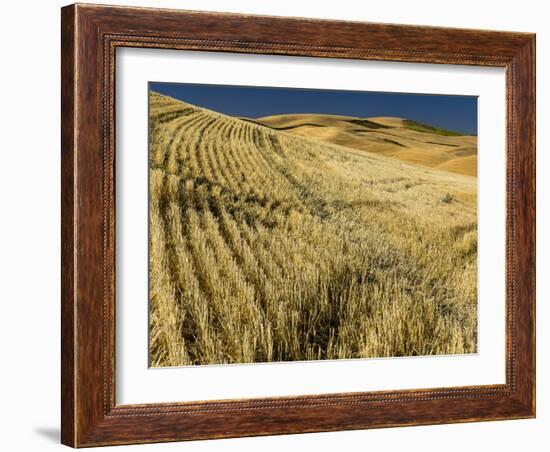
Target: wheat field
[(266, 245)]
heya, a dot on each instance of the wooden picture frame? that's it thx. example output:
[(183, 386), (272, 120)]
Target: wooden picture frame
[(90, 35)]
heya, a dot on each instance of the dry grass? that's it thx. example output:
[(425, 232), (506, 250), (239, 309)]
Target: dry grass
[(267, 246)]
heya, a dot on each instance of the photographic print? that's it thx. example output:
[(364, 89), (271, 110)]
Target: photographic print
[(294, 224), (243, 259)]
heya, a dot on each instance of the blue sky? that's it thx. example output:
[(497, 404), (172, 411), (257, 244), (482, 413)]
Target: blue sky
[(458, 113)]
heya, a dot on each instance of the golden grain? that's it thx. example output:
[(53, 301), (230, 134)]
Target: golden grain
[(267, 246)]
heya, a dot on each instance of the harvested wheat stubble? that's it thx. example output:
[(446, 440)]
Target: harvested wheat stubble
[(270, 246)]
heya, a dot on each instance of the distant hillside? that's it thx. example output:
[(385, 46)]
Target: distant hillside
[(399, 138)]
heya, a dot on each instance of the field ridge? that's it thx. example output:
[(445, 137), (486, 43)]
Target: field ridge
[(400, 138)]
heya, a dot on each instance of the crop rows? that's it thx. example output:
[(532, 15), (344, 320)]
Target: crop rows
[(271, 247)]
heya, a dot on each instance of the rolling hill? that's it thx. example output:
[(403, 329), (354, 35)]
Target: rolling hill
[(399, 138), (267, 245)]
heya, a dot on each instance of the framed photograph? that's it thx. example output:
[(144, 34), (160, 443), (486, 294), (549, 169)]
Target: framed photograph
[(281, 225)]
